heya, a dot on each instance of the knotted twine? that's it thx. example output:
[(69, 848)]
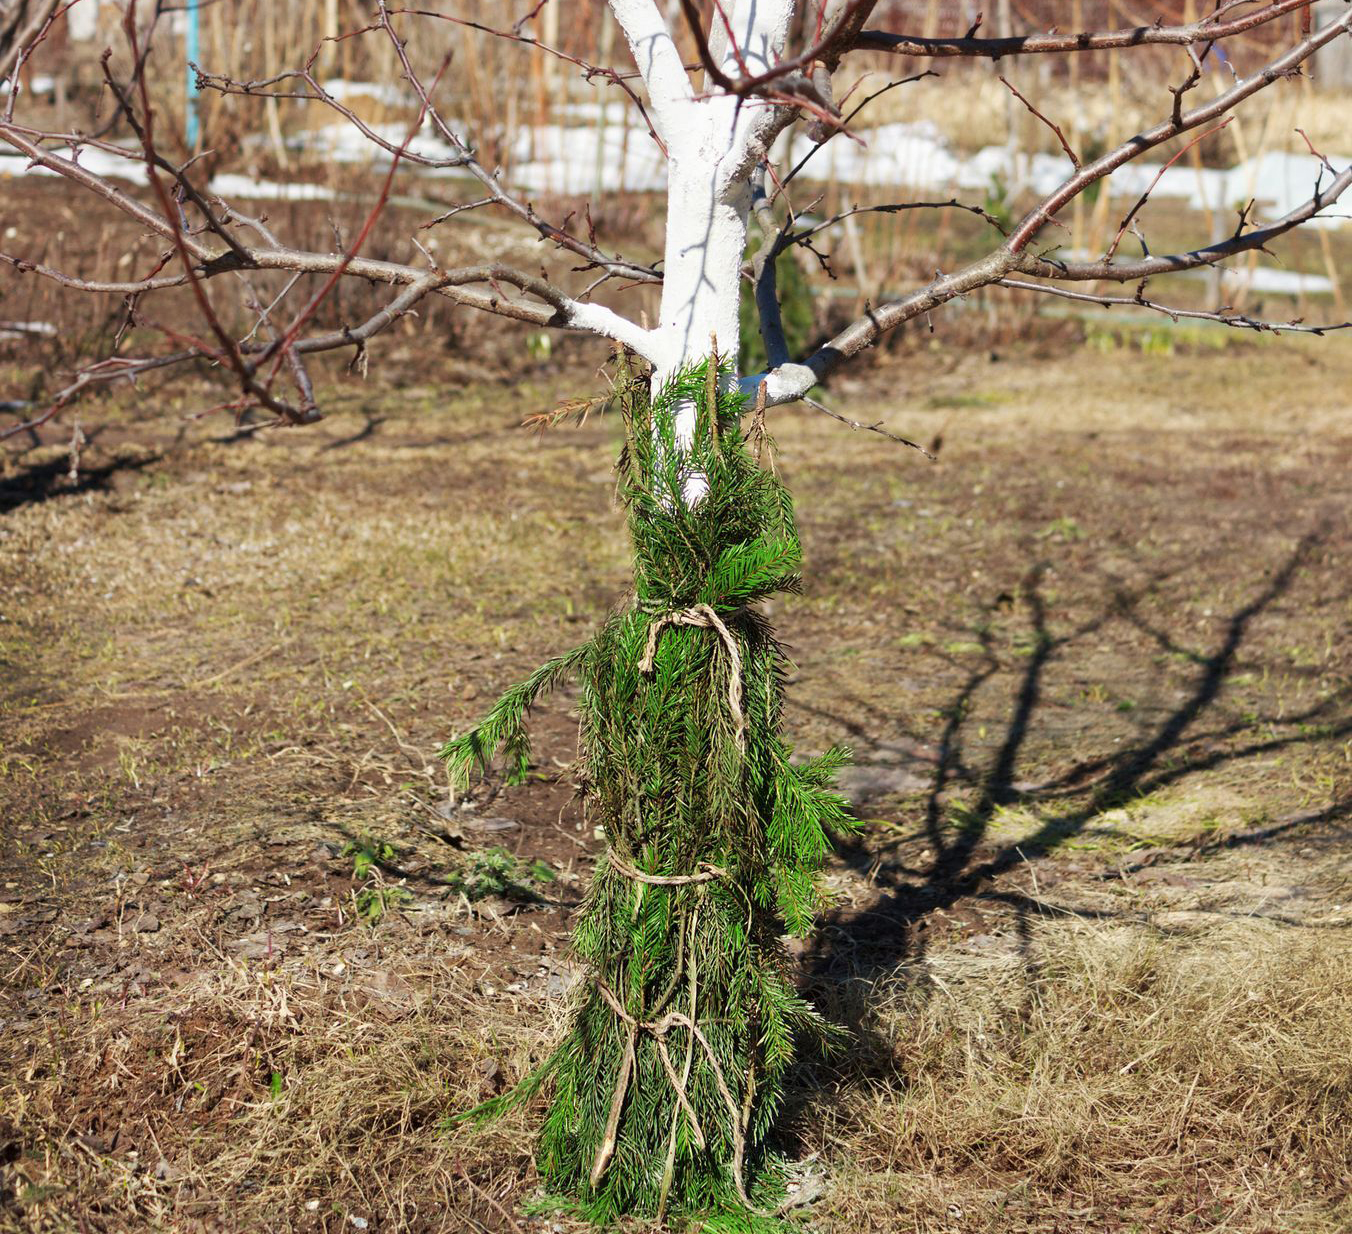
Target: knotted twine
[(706, 873), (699, 616), (659, 1029), (703, 616)]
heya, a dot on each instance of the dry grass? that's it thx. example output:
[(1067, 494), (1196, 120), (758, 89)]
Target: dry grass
[(1086, 1076), (1136, 1077), (285, 1095), (1139, 1021)]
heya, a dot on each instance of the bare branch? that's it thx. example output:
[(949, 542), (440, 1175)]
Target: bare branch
[(16, 46), (877, 427), (464, 156), (1181, 122), (590, 71), (130, 287), (790, 381), (1056, 129), (1149, 267), (843, 28), (540, 303), (1208, 29), (104, 371), (617, 266), (896, 207), (1223, 316), (20, 139), (821, 138), (144, 129)]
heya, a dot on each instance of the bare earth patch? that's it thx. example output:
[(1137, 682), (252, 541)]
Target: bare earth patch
[(1093, 943)]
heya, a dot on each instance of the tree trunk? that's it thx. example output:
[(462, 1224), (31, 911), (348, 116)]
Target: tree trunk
[(666, 1087), (701, 287)]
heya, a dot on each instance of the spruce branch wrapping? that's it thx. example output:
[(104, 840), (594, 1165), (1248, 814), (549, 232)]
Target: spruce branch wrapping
[(666, 1086)]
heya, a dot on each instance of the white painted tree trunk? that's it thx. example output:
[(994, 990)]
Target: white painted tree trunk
[(714, 144), (701, 288)]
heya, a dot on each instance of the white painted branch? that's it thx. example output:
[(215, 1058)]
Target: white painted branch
[(786, 384), (597, 319), (658, 60)]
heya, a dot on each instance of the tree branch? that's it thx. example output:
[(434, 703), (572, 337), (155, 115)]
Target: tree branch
[(658, 60), (788, 382), (1209, 29), (1224, 316), (523, 210), (1149, 267), (14, 52), (1181, 122), (763, 274), (841, 28)]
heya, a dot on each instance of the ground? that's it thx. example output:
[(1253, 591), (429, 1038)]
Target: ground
[(1094, 663)]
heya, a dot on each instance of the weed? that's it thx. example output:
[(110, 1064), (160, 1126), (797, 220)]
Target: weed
[(1064, 528), (375, 900), (192, 881), (377, 897), (496, 872), (367, 854)]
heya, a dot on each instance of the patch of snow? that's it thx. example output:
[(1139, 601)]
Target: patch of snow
[(901, 155), (341, 142), (916, 156), (18, 329), (1280, 282), (100, 162), (39, 83), (232, 184), (381, 92), (604, 148), (605, 158)]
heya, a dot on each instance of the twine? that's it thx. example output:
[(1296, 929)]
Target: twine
[(699, 616), (659, 1029), (703, 616), (707, 873)]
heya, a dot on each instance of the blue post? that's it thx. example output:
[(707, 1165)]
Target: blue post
[(191, 55)]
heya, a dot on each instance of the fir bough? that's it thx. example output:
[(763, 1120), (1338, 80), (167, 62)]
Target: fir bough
[(668, 1081)]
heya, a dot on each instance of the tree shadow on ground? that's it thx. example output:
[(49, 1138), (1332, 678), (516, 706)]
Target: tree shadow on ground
[(855, 948), (39, 482)]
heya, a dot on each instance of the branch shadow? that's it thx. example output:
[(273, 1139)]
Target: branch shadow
[(854, 949), (40, 482)]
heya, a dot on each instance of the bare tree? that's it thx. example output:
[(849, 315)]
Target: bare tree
[(667, 1086), (716, 136)]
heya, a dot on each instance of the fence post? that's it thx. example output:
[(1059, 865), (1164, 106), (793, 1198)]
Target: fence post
[(192, 41)]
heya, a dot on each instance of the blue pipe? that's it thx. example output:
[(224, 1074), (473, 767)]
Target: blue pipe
[(191, 55)]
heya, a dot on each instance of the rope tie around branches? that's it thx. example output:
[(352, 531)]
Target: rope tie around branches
[(659, 1029), (707, 873), (675, 1062), (702, 616)]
